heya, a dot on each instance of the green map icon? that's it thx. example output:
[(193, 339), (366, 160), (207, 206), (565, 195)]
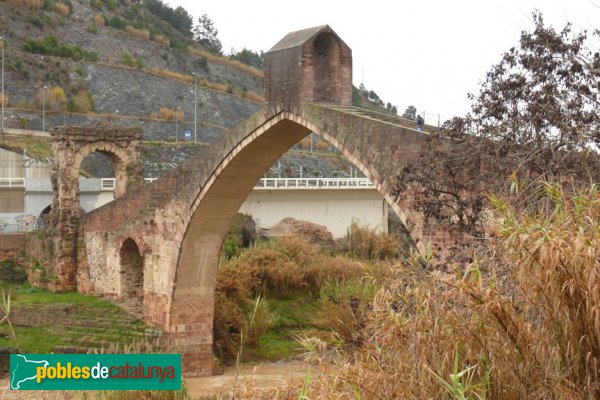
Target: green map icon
[(23, 369)]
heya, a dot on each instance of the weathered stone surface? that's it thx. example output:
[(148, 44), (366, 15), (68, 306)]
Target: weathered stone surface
[(179, 221), (309, 65), (71, 145)]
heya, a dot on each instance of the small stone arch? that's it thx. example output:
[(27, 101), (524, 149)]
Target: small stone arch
[(121, 159), (71, 145), (132, 277)]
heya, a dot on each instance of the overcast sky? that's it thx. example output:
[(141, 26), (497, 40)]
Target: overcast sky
[(429, 53)]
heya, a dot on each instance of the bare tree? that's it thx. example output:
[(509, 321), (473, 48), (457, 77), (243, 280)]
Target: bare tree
[(536, 117)]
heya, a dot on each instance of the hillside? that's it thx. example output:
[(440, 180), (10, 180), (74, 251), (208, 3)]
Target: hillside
[(125, 72), (107, 61)]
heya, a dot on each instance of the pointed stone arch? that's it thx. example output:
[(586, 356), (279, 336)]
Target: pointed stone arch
[(217, 200)]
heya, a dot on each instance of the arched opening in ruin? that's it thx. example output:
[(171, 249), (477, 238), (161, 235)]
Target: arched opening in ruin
[(97, 180), (132, 277), (326, 68), (101, 171)]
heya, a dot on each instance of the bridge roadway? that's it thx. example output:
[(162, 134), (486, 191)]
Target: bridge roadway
[(166, 236)]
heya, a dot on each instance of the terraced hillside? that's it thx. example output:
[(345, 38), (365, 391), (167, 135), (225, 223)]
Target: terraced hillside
[(107, 61), (129, 72)]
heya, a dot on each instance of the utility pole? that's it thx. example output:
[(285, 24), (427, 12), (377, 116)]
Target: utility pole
[(177, 123), (44, 108), (3, 99), (195, 107)]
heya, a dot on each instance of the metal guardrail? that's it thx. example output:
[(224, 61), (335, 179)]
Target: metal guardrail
[(314, 183), (12, 182), (108, 184)]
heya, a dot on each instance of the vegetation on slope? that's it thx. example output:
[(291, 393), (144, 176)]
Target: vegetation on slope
[(294, 287)]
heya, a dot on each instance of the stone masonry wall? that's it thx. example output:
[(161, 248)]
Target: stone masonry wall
[(157, 217)]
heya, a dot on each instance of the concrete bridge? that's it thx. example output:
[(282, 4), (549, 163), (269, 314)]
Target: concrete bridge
[(157, 246)]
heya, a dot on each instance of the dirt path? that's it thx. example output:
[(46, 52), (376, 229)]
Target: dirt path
[(263, 375)]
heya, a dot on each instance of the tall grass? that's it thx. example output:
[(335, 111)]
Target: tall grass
[(62, 9), (141, 33), (160, 39), (99, 20), (170, 115), (521, 322), (4, 100), (277, 269), (365, 243), (219, 87), (28, 4), (250, 95), (172, 75)]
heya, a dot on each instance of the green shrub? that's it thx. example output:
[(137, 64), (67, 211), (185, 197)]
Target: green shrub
[(201, 63), (110, 4), (48, 5), (34, 20), (50, 45), (117, 23), (12, 273), (127, 60), (69, 4), (242, 234)]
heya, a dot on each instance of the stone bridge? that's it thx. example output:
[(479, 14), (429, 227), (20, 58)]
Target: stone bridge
[(157, 247), (165, 239)]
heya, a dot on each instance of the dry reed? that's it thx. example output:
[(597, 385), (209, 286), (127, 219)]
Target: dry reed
[(521, 323), (62, 9), (28, 4), (170, 115), (99, 20), (141, 33), (160, 39)]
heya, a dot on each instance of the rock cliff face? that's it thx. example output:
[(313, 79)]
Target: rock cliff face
[(116, 88)]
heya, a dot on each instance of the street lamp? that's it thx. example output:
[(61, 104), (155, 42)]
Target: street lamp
[(195, 107), (177, 123), (44, 108)]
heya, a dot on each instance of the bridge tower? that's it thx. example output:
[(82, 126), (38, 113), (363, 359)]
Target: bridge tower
[(309, 65), (71, 145)]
